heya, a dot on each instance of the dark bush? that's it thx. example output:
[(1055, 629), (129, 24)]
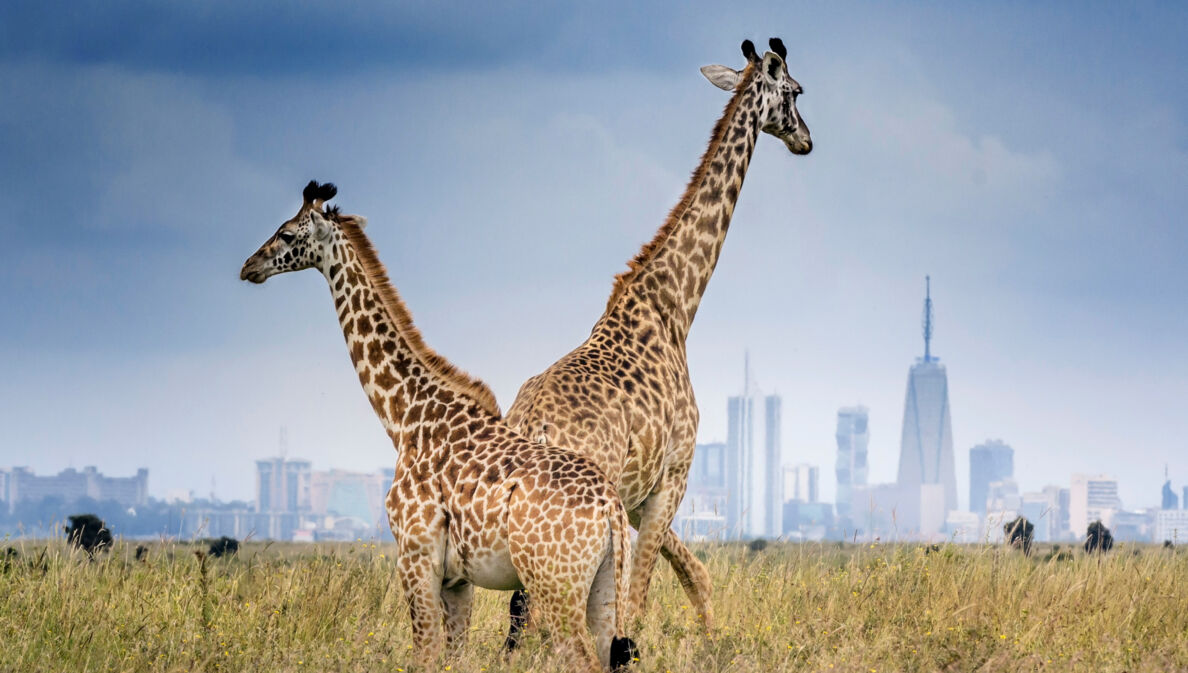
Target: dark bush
[(11, 556), (757, 545), (224, 546), (141, 553), (1098, 538), (1057, 555), (1019, 534), (1167, 544), (88, 532)]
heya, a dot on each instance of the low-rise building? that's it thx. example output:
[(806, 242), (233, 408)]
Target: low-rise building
[(20, 485), (1171, 525)]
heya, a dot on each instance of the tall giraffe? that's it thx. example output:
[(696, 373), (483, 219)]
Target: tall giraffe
[(623, 397), (473, 502)]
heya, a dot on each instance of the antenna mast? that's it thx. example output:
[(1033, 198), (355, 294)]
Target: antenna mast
[(927, 318)]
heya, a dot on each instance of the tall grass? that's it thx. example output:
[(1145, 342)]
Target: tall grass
[(294, 607)]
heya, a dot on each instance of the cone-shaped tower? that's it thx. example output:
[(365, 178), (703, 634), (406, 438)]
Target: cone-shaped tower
[(927, 474)]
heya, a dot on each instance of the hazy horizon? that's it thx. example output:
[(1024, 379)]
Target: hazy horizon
[(1032, 160)]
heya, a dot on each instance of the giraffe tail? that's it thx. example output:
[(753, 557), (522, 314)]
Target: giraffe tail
[(623, 649)]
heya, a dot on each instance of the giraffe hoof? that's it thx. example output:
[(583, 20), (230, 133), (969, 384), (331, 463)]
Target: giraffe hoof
[(623, 653)]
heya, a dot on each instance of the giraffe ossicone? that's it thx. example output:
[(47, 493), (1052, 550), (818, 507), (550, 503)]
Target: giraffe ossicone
[(473, 502), (623, 397)]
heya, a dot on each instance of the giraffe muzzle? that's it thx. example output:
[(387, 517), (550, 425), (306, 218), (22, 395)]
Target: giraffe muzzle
[(251, 272)]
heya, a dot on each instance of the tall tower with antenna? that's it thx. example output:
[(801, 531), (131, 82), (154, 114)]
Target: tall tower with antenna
[(927, 318), (927, 474)]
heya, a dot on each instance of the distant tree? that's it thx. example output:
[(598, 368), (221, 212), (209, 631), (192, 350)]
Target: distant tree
[(758, 544), (1019, 534), (1098, 538), (88, 532), (224, 546)]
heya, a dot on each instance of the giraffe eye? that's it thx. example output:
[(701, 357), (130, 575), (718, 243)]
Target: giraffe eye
[(287, 237)]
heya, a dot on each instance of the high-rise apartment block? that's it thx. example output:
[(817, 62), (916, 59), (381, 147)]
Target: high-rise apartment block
[(800, 483), (990, 461), (853, 437), (282, 485), (1092, 498)]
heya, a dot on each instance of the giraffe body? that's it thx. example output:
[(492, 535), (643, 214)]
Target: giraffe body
[(624, 397), (473, 502)]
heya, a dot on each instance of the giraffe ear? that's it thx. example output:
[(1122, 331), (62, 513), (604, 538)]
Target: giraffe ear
[(772, 64), (722, 77), (320, 224)]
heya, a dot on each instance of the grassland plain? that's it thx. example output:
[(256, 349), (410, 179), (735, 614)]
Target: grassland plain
[(810, 607)]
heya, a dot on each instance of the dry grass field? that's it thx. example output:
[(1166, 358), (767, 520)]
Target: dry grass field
[(826, 607)]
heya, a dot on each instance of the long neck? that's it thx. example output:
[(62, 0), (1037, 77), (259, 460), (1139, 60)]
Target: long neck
[(411, 388), (672, 271)]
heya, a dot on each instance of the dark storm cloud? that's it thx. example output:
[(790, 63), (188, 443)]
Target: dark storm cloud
[(321, 39)]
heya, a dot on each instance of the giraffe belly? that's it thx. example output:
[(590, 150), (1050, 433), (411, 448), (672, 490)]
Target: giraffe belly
[(489, 569)]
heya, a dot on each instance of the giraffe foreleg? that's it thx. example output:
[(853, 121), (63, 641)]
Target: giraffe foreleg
[(422, 593)]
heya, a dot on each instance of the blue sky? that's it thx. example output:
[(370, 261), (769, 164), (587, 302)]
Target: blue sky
[(1031, 159)]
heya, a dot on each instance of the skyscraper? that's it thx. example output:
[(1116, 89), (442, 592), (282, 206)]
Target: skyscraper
[(773, 458), (740, 450), (755, 508), (926, 447), (852, 440), (1170, 499), (988, 462)]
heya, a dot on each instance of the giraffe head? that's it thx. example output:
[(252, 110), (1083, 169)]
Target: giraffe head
[(775, 90), (304, 241)]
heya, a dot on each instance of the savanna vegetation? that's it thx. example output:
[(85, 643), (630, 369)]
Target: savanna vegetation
[(811, 607)]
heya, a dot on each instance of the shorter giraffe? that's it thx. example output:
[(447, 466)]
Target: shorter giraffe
[(473, 503)]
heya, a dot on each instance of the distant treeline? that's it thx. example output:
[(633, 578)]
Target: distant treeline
[(46, 516)]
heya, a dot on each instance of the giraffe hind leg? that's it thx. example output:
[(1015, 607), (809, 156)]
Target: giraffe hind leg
[(694, 578), (518, 611), (457, 602)]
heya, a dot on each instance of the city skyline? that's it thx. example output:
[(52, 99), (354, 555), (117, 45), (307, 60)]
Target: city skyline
[(150, 155)]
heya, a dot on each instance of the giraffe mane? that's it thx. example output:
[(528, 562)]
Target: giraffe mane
[(623, 280), (457, 379)]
